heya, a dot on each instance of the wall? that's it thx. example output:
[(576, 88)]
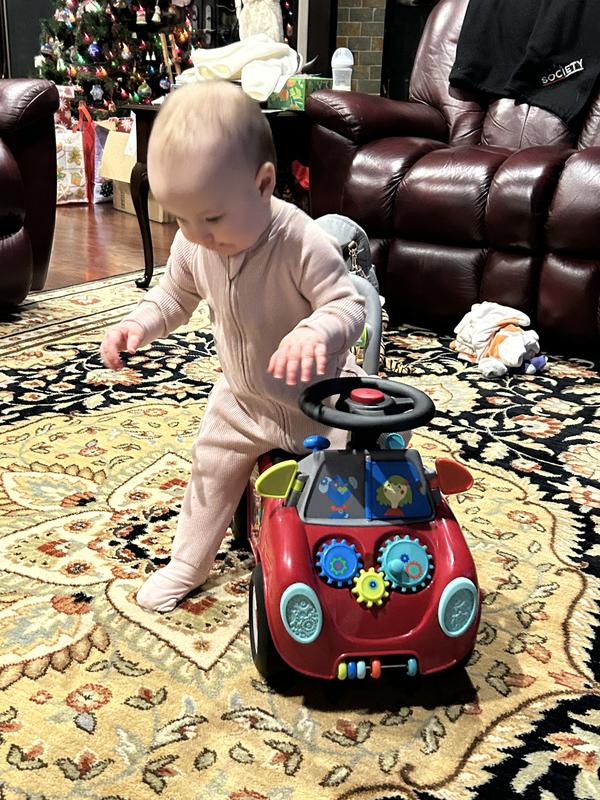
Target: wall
[(360, 28), (23, 34)]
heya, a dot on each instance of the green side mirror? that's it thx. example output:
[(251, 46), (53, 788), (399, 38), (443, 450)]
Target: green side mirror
[(277, 481)]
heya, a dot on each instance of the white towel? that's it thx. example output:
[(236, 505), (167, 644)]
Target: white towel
[(261, 78), (262, 65)]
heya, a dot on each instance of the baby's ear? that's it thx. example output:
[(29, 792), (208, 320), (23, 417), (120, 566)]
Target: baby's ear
[(265, 180)]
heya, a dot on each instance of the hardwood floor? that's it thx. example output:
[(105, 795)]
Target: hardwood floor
[(97, 241)]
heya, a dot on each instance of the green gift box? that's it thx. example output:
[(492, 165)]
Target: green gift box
[(297, 88)]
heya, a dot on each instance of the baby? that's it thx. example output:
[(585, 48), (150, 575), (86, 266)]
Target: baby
[(283, 310)]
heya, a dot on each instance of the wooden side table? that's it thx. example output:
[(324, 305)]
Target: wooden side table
[(291, 137)]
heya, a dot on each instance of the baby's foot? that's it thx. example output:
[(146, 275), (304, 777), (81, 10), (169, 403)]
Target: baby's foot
[(168, 585)]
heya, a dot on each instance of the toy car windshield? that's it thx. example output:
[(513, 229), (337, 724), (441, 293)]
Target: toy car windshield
[(389, 485)]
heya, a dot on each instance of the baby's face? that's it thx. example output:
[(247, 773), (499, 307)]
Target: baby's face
[(221, 204)]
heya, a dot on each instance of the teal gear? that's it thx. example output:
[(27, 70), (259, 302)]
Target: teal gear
[(406, 563)]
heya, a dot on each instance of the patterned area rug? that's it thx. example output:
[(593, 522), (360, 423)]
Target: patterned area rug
[(102, 700)]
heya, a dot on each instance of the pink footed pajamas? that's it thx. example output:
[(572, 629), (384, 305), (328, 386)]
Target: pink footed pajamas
[(293, 276)]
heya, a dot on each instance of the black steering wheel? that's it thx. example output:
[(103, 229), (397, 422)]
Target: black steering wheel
[(366, 404)]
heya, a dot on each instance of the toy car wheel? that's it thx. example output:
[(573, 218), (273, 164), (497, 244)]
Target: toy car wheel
[(266, 658)]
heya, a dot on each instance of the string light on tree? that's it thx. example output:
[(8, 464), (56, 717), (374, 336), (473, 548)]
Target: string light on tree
[(289, 23), (111, 46)]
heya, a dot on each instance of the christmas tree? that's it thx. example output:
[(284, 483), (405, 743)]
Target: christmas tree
[(117, 51)]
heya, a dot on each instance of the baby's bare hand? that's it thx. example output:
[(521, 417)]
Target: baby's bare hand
[(126, 336), (298, 354)]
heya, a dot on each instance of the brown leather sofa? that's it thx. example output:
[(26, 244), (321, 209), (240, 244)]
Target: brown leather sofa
[(27, 185), (465, 199)]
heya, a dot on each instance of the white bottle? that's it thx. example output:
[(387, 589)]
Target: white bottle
[(342, 62)]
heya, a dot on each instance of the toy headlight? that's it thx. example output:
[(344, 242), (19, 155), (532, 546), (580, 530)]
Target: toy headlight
[(301, 613), (458, 606)]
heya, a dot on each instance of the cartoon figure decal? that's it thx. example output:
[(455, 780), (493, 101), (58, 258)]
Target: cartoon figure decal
[(394, 493), (339, 491), (395, 490)]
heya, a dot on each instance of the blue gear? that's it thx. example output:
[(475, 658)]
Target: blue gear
[(338, 562), (406, 563)]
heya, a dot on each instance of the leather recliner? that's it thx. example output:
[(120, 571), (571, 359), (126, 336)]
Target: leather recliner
[(466, 199), (27, 185)]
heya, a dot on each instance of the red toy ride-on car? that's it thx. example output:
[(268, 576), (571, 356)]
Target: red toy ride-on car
[(360, 564)]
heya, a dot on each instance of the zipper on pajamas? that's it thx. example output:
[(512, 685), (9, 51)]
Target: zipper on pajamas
[(233, 315)]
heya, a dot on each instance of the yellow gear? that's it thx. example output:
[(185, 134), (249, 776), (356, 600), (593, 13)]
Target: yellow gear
[(370, 587)]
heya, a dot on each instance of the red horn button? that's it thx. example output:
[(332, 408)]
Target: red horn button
[(367, 397)]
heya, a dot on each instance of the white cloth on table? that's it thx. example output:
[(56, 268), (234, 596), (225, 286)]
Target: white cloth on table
[(262, 65)]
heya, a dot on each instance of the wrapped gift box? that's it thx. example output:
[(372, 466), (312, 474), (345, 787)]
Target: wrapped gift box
[(297, 88), (63, 116), (116, 165), (71, 172), (78, 156)]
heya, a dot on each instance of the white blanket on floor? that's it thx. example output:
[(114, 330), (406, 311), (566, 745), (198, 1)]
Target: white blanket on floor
[(493, 336)]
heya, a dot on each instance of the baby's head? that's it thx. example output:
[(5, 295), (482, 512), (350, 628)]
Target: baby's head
[(211, 163)]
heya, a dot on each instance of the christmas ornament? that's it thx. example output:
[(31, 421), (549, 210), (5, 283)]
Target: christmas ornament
[(94, 50), (60, 65), (165, 84), (124, 94), (96, 92), (135, 97), (156, 17), (126, 53), (144, 90), (140, 16), (47, 49), (39, 61), (120, 4)]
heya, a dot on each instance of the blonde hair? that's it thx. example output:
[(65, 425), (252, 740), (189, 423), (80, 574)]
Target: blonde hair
[(215, 110)]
